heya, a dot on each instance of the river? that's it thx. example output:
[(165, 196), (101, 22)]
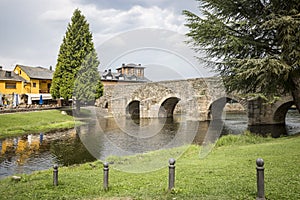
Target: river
[(107, 136)]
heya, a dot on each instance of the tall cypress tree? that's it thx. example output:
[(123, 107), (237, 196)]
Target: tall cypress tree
[(77, 46), (87, 85), (254, 44)]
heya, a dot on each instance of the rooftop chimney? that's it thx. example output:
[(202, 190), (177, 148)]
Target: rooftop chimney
[(50, 68)]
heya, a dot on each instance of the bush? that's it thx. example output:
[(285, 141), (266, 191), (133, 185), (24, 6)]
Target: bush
[(246, 138)]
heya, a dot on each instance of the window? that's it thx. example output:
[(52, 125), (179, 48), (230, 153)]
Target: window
[(10, 85), (8, 74), (33, 84)]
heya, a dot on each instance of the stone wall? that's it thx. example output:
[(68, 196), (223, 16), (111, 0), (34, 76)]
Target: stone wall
[(199, 99)]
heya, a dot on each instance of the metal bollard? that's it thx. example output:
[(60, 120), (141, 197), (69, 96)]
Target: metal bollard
[(55, 175), (260, 179), (105, 176), (171, 173), (41, 138)]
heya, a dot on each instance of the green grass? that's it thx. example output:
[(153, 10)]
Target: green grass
[(17, 124), (246, 138), (228, 172)]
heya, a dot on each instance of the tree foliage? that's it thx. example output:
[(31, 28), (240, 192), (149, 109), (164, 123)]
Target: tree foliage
[(76, 52), (88, 86), (253, 44)]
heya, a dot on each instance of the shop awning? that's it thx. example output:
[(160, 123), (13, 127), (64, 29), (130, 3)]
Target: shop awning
[(36, 97)]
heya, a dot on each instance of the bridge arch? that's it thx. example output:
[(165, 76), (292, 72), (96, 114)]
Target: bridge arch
[(281, 108), (133, 109), (280, 113), (200, 99), (167, 107), (216, 107)]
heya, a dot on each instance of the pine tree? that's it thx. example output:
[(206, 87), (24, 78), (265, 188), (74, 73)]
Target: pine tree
[(88, 86), (253, 44), (76, 46)]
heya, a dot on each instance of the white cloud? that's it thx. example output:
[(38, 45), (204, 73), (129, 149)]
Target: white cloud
[(108, 23), (33, 33), (140, 17), (58, 10)]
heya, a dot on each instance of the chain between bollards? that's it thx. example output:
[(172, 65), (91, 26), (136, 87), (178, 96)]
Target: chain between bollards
[(55, 175), (171, 173), (260, 179), (105, 176)]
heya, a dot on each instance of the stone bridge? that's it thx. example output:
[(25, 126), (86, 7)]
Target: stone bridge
[(198, 99)]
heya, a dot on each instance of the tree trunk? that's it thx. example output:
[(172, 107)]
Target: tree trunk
[(296, 92)]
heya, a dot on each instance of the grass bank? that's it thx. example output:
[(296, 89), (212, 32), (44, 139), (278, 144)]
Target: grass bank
[(228, 172), (16, 124)]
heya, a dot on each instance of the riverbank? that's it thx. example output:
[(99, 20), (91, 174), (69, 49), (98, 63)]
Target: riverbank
[(18, 124), (228, 172)]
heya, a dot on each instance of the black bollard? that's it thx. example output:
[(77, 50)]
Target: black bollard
[(260, 179), (171, 173), (55, 175), (41, 138), (105, 176)]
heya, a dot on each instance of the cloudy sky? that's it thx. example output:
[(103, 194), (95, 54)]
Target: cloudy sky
[(150, 32)]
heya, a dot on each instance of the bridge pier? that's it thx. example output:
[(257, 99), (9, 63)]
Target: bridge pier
[(261, 112)]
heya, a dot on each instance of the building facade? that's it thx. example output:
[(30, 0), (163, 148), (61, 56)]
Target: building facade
[(38, 79), (126, 74), (25, 83), (11, 83), (34, 83)]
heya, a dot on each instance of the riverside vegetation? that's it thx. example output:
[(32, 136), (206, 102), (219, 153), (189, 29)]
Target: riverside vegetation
[(228, 172)]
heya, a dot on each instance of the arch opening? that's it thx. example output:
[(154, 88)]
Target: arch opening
[(133, 110), (106, 105), (280, 124), (167, 107), (227, 104), (281, 112)]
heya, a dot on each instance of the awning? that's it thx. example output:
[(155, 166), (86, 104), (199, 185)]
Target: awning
[(36, 97)]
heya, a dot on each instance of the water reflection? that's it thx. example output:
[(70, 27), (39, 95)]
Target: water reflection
[(107, 136), (37, 152), (103, 137), (291, 127)]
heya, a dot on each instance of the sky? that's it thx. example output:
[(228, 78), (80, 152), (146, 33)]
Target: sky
[(149, 32)]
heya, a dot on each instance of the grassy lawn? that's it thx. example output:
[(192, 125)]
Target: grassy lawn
[(16, 124), (228, 172)]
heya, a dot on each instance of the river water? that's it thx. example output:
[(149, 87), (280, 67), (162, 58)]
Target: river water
[(106, 136)]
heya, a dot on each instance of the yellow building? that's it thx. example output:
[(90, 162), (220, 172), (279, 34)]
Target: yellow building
[(29, 82), (38, 79), (38, 82), (11, 83)]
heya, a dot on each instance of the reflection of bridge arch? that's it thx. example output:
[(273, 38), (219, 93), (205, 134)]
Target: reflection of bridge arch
[(167, 107)]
